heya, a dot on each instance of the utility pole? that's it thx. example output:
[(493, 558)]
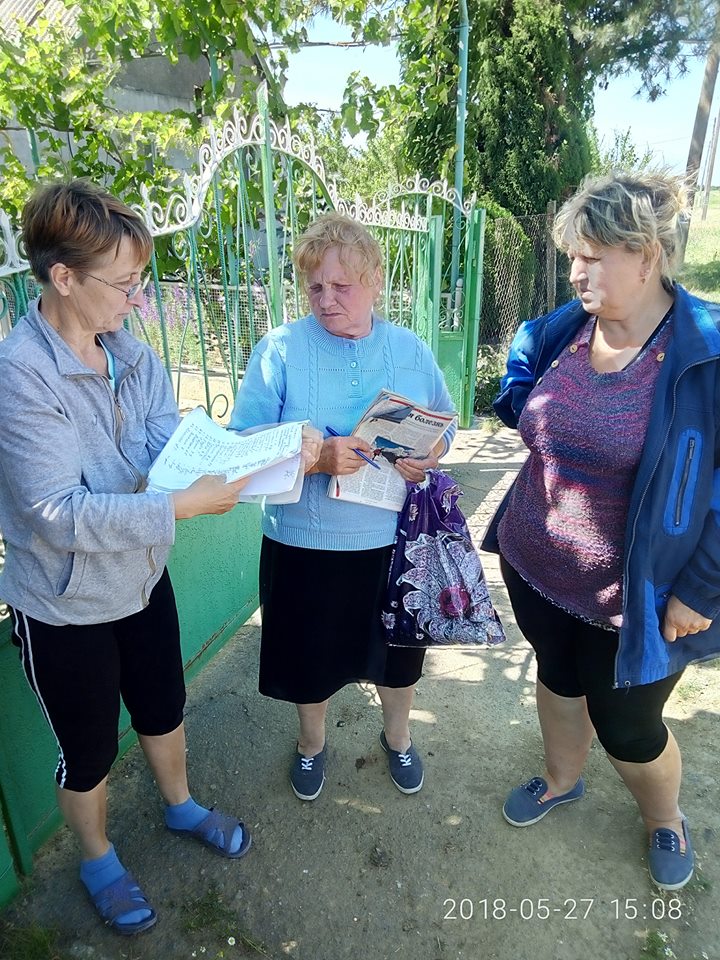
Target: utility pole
[(702, 182), (701, 118), (710, 167)]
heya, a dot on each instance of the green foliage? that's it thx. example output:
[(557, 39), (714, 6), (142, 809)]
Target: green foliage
[(59, 89), (533, 66), (358, 172), (29, 943), (208, 912), (490, 367), (621, 155), (59, 86), (700, 272), (656, 946)]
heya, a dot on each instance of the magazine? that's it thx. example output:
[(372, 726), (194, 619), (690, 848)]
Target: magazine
[(395, 428), (200, 446)]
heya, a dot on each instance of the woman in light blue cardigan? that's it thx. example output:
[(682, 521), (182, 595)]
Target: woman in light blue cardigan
[(324, 563)]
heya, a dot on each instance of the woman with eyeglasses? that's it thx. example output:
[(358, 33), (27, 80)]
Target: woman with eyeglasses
[(85, 409)]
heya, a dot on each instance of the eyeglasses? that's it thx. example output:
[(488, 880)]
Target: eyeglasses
[(129, 292)]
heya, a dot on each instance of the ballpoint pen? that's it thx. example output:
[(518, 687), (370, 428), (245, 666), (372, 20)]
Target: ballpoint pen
[(334, 433)]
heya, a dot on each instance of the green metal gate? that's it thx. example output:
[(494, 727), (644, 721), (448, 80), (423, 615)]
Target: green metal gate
[(223, 272), (222, 276)]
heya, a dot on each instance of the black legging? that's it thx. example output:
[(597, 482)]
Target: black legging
[(577, 659), (78, 674)]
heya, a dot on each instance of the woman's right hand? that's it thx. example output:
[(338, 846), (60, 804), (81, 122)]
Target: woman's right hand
[(338, 458), (312, 441), (208, 494)]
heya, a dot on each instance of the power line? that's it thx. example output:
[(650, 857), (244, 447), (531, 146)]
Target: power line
[(330, 43)]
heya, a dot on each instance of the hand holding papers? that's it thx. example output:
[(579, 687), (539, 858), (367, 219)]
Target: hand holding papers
[(199, 447), (396, 429)]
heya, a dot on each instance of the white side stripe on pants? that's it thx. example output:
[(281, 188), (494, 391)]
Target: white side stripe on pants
[(27, 657)]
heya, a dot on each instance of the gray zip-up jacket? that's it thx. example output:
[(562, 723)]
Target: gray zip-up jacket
[(84, 544)]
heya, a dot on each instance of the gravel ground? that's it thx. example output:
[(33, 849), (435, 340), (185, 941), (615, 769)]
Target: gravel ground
[(365, 873)]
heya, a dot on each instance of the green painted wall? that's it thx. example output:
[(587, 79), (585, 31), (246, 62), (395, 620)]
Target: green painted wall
[(8, 878), (213, 567)]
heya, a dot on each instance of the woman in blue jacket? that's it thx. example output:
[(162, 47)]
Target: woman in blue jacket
[(609, 537)]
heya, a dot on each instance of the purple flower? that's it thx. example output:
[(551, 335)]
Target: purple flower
[(454, 601)]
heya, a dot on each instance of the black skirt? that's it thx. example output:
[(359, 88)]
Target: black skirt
[(321, 624)]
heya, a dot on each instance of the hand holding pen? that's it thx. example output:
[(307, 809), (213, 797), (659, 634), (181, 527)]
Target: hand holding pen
[(339, 462)]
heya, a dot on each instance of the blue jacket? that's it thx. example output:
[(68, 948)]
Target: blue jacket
[(672, 540)]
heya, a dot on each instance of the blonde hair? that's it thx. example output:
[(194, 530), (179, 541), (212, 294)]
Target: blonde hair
[(636, 210), (76, 224), (356, 246)]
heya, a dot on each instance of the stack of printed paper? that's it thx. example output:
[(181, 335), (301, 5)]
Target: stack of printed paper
[(200, 446)]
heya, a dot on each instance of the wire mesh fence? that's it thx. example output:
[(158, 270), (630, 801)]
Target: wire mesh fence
[(201, 328), (523, 275)]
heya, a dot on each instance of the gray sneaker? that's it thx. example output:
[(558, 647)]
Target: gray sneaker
[(406, 769), (307, 775)]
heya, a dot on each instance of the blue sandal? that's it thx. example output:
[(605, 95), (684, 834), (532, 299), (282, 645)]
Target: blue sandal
[(121, 897), (216, 831)]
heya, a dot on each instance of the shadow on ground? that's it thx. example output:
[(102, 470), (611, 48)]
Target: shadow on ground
[(365, 873)]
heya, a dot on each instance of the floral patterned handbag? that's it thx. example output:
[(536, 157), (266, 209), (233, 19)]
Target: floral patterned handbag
[(437, 595)]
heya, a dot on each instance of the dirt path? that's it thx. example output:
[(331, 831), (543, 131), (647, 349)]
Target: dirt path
[(365, 873)]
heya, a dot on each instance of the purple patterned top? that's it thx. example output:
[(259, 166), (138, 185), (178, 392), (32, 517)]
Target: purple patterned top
[(564, 529)]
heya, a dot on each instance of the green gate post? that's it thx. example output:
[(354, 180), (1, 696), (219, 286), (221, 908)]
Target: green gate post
[(9, 885), (471, 309), (435, 247), (266, 165)]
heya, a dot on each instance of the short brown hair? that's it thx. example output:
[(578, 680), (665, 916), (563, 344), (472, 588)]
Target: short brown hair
[(77, 223), (355, 244)]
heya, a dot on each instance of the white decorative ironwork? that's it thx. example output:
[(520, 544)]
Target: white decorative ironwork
[(11, 259), (183, 209), (377, 216), (421, 186)]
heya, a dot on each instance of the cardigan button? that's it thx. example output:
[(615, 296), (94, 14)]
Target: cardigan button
[(573, 348), (660, 357), (539, 380), (555, 363)]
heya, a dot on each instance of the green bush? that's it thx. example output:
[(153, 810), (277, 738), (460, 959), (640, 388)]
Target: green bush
[(490, 367)]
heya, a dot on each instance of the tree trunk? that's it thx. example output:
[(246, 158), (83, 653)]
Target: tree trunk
[(697, 142)]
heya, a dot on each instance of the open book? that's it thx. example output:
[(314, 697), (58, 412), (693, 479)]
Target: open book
[(395, 428), (200, 446)]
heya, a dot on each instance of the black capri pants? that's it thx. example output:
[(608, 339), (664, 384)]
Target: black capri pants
[(79, 673), (577, 659)]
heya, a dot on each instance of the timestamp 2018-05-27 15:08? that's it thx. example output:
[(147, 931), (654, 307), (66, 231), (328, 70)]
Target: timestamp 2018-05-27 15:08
[(569, 908)]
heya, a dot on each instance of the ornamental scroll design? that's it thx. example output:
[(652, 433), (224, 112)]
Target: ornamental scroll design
[(421, 186), (377, 216), (11, 255), (183, 207)]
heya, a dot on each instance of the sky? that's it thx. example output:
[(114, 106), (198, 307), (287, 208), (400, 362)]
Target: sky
[(318, 75)]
